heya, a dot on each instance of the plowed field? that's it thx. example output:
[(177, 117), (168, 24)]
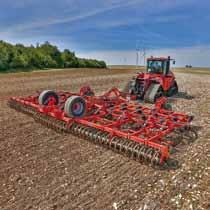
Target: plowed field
[(41, 169)]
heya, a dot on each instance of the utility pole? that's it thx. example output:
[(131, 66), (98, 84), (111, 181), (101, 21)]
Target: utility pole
[(137, 54), (137, 59), (125, 60), (144, 55)]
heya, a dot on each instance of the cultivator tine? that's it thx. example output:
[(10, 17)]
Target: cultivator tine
[(135, 150), (149, 154), (98, 137), (156, 158), (91, 133), (113, 143), (121, 146), (86, 133), (185, 135), (189, 135), (38, 117), (130, 149), (73, 128), (105, 139)]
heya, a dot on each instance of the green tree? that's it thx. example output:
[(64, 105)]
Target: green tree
[(19, 61), (81, 63), (52, 51), (4, 56), (40, 57), (69, 59)]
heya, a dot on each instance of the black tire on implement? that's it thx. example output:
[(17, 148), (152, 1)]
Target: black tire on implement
[(75, 106), (45, 95)]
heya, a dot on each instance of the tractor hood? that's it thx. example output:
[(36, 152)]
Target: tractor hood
[(149, 76)]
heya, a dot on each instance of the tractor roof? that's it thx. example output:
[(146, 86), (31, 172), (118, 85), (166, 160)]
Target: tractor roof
[(158, 58)]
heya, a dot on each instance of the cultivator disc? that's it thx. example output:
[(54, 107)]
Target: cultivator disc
[(141, 133)]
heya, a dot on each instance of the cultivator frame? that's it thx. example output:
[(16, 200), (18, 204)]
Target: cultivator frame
[(112, 119)]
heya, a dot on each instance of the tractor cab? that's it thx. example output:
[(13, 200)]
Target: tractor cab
[(158, 65)]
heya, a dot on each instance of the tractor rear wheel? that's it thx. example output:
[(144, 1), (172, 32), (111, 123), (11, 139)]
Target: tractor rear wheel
[(154, 92), (45, 97), (126, 88), (75, 106), (173, 89), (159, 94)]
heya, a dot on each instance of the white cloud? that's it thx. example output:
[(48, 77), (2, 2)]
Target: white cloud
[(76, 10), (196, 56), (110, 5)]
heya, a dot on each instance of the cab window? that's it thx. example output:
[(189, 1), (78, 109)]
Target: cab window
[(155, 67)]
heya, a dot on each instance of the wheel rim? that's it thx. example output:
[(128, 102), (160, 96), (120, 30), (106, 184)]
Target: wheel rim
[(50, 100), (78, 108)]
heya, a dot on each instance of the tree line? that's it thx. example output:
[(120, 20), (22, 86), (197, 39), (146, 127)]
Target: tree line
[(44, 56)]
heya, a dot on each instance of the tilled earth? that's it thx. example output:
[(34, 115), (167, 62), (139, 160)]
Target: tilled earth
[(41, 169)]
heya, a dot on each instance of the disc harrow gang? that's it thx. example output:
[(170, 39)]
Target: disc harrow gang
[(112, 120)]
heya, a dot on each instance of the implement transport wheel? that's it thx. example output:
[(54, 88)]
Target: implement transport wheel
[(75, 106), (46, 96)]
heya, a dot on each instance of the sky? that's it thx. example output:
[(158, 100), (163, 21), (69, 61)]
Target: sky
[(112, 30)]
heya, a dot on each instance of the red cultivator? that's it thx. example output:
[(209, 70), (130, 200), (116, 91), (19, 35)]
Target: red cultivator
[(142, 133)]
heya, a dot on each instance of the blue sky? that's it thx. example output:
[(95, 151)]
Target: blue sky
[(111, 29)]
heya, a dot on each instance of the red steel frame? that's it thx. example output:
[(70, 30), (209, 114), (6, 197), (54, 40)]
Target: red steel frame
[(153, 124)]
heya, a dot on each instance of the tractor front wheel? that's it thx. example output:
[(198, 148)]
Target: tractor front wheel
[(159, 94), (130, 87)]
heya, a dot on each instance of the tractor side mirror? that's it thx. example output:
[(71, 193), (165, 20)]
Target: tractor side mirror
[(174, 62)]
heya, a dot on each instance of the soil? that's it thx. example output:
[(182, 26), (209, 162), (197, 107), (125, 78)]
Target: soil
[(41, 169)]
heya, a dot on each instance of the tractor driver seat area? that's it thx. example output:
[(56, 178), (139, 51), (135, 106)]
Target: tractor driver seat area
[(155, 67)]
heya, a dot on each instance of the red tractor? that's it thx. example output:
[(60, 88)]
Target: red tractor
[(157, 81)]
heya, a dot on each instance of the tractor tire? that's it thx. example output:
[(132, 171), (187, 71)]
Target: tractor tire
[(126, 88), (173, 89), (75, 106), (154, 92), (160, 93), (46, 95), (129, 87)]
